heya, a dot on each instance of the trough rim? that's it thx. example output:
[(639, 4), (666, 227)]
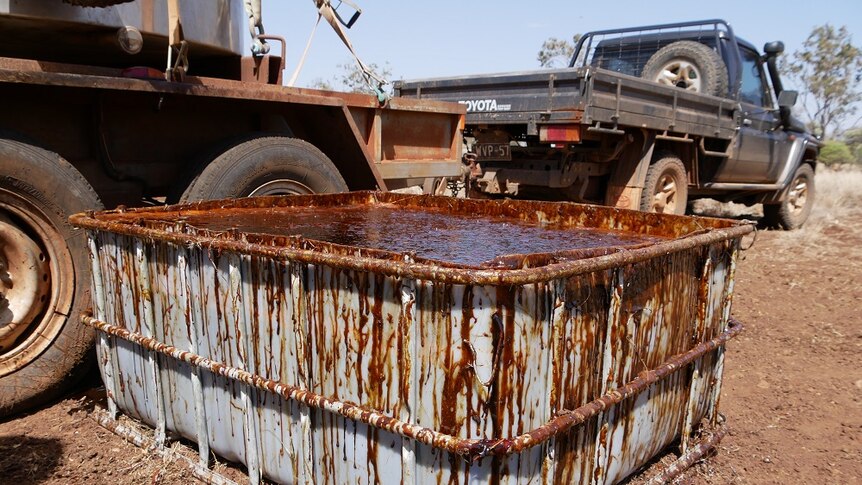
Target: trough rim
[(129, 222)]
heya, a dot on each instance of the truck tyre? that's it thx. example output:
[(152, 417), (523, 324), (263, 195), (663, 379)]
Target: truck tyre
[(666, 187), (688, 65), (96, 3), (798, 198), (44, 276), (268, 165)]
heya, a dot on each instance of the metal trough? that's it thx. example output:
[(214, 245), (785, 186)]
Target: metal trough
[(417, 352)]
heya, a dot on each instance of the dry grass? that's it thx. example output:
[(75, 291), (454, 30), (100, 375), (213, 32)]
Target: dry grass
[(838, 197), (833, 222), (838, 192)]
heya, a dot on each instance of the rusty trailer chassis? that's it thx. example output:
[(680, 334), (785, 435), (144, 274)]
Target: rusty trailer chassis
[(334, 363), (145, 143)]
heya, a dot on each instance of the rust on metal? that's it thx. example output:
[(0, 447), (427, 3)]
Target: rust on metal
[(695, 454), (138, 439), (469, 449), (24, 283), (153, 223), (340, 124), (53, 73), (373, 359), (441, 236)]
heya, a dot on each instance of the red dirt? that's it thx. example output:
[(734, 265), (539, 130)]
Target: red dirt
[(792, 388), (793, 382)]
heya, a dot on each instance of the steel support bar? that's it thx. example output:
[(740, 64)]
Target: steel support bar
[(688, 459), (469, 449), (415, 270), (138, 439)]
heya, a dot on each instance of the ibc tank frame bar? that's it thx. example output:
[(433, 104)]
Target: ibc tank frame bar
[(470, 449)]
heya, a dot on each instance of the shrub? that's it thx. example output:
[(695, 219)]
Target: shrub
[(836, 152)]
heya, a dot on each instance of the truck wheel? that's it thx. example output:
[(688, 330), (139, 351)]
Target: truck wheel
[(436, 186), (666, 187), (688, 65), (96, 3), (44, 276), (271, 165), (798, 199)]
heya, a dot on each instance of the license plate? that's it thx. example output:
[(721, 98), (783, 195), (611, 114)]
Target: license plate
[(493, 151)]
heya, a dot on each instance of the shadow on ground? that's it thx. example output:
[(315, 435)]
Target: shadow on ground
[(25, 459)]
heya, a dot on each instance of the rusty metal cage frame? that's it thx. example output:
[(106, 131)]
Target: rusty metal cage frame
[(469, 449), (165, 224)]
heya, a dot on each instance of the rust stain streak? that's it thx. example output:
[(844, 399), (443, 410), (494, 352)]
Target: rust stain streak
[(470, 449)]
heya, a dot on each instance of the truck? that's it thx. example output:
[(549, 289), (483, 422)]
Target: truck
[(118, 103), (646, 118)]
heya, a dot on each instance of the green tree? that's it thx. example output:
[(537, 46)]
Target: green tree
[(853, 139), (320, 83), (351, 79), (828, 69), (835, 152), (557, 52)]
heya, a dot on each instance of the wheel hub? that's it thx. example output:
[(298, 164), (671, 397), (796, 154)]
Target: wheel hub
[(281, 187), (797, 197), (681, 74), (37, 284), (25, 283), (664, 199)]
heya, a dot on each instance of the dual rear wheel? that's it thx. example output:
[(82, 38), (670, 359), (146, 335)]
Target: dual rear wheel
[(45, 268), (44, 276), (266, 165)]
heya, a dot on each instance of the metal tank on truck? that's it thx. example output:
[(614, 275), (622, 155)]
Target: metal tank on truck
[(112, 103)]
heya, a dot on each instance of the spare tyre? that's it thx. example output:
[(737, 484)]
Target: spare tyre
[(688, 65)]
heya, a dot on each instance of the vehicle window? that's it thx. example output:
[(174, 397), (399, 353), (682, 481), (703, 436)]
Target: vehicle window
[(751, 90)]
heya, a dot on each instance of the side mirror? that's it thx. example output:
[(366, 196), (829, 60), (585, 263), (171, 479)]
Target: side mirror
[(787, 99)]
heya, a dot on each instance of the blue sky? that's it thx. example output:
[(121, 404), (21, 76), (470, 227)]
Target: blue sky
[(449, 37)]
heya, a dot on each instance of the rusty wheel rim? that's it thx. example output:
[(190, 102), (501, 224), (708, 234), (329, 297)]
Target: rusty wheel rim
[(664, 199), (281, 187), (37, 282), (797, 197), (680, 73)]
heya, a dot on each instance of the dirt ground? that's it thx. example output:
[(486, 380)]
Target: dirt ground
[(792, 388), (793, 382)]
